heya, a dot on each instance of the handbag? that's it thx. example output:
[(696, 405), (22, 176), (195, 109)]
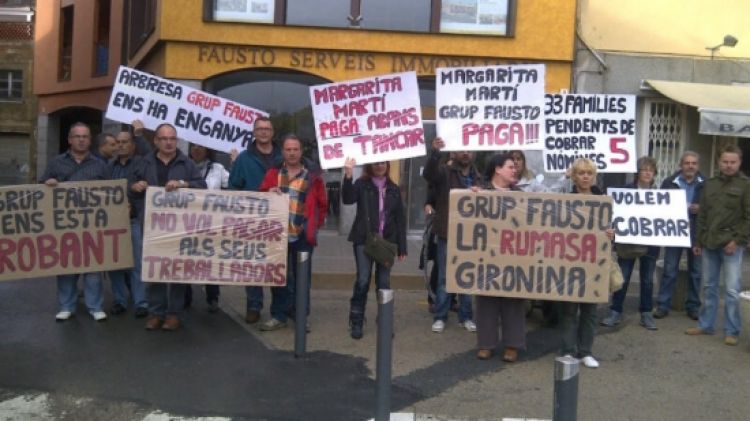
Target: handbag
[(616, 279), (630, 251), (376, 247)]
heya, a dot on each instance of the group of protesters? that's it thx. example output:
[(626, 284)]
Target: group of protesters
[(719, 213)]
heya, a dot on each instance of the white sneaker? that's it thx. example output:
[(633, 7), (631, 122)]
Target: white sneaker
[(438, 326), (590, 361), (98, 315), (469, 325), (63, 316)]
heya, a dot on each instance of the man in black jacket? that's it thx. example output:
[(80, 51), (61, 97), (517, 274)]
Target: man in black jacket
[(168, 167), (690, 180), (459, 174)]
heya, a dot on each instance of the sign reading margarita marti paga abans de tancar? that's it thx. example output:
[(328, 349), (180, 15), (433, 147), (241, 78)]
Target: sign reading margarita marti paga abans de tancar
[(650, 217), (371, 120), (598, 127), (199, 117), (215, 237), (75, 227), (490, 108), (529, 245)]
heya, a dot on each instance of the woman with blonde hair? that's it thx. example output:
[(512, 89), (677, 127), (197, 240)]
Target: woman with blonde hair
[(578, 321)]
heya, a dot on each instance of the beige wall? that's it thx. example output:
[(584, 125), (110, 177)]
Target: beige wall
[(681, 27)]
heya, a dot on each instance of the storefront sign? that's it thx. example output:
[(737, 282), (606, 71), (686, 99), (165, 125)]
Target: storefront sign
[(491, 108), (529, 245), (215, 237), (598, 127), (650, 217), (71, 228), (371, 120), (724, 123), (202, 118)]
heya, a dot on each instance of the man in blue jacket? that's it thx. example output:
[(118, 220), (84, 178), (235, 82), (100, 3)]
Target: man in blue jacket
[(246, 174), (690, 180)]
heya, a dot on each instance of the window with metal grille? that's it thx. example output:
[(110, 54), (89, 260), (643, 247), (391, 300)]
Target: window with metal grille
[(11, 85), (664, 127)]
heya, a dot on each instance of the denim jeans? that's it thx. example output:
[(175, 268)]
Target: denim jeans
[(254, 298), (166, 298), (67, 292), (669, 277), (647, 267), (578, 327), (713, 261), (362, 282), (442, 300), (118, 277), (283, 298)]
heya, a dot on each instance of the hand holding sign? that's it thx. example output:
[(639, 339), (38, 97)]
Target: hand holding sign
[(349, 167)]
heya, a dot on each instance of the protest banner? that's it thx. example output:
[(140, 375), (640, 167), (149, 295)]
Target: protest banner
[(202, 118), (491, 107), (529, 245), (598, 127), (371, 120), (75, 227), (215, 237), (650, 217)]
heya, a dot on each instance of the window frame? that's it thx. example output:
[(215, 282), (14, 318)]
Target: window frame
[(7, 80), (280, 7)]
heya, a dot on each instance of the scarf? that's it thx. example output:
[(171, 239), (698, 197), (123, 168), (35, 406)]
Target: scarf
[(380, 183)]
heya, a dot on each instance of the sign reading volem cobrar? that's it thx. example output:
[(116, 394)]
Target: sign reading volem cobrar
[(529, 245)]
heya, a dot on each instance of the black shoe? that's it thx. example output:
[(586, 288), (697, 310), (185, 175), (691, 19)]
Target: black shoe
[(660, 313), (693, 314), (141, 312), (117, 309), (213, 306), (356, 330)]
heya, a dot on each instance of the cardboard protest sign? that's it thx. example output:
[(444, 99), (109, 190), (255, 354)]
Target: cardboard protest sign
[(215, 237), (598, 127), (650, 217), (491, 107), (202, 118), (371, 120), (75, 227), (529, 245)]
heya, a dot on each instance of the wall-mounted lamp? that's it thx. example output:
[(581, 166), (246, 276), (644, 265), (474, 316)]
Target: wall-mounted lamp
[(729, 41)]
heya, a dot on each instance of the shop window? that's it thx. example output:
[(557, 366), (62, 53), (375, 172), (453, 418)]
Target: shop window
[(329, 13), (664, 127), (11, 85), (65, 60), (398, 15), (257, 11), (491, 17), (142, 19), (101, 38)]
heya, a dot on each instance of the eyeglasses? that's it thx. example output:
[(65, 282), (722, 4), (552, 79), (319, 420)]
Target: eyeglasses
[(262, 129)]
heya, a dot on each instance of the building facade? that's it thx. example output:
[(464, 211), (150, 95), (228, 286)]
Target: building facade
[(266, 53), (77, 53), (673, 56), (17, 102)]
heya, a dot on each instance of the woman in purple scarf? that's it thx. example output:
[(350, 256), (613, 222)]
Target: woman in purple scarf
[(380, 210)]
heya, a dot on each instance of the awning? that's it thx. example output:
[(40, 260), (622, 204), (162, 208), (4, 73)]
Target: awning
[(724, 109)]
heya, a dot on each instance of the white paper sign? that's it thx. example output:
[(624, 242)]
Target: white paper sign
[(371, 120), (491, 107), (202, 118), (598, 127), (650, 217)]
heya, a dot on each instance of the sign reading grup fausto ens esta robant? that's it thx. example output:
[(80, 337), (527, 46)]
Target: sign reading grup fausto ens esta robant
[(529, 245)]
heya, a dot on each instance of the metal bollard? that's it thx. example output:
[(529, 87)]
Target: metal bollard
[(301, 293), (566, 389), (384, 355)]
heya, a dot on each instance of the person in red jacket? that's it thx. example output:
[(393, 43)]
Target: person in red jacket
[(302, 181)]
